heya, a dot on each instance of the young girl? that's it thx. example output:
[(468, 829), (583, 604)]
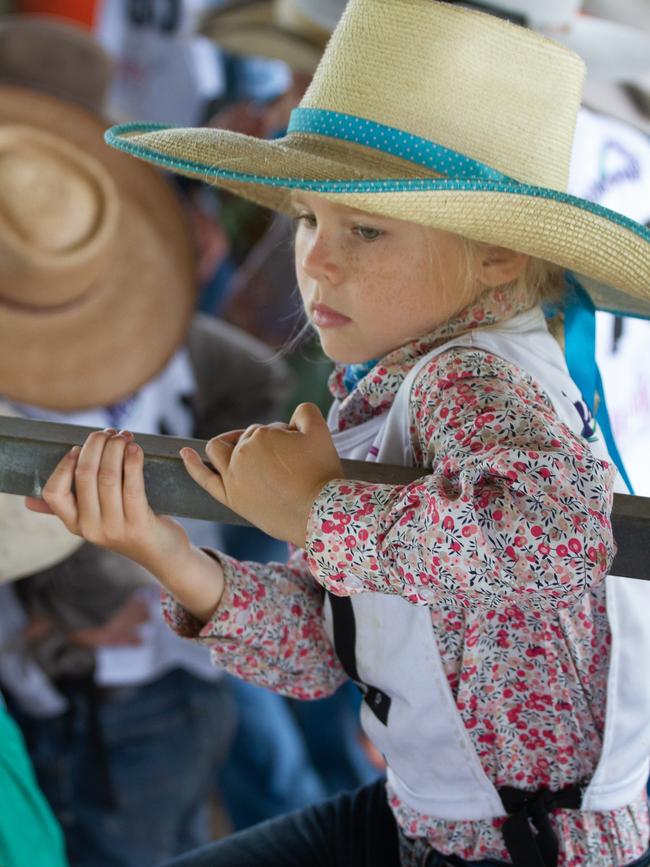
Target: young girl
[(499, 664)]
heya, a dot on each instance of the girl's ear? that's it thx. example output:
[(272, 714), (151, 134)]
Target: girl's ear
[(498, 265)]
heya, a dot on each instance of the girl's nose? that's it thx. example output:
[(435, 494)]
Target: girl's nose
[(320, 259)]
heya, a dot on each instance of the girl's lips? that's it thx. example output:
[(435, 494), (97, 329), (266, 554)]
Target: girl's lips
[(324, 317)]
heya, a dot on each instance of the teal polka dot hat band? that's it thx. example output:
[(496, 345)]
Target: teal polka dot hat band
[(437, 114)]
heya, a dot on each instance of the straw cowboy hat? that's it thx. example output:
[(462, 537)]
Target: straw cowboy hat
[(51, 55), (96, 268), (474, 139), (295, 31)]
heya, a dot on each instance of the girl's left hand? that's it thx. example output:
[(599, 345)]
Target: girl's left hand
[(271, 474)]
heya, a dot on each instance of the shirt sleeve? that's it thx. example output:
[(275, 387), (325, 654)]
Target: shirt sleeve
[(268, 628), (516, 509)]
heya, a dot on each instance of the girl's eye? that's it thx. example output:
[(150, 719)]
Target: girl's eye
[(368, 233), (307, 218)]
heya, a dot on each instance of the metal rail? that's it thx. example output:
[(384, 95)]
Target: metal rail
[(29, 451)]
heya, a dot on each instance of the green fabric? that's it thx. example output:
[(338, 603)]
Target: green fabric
[(29, 833), (312, 369)]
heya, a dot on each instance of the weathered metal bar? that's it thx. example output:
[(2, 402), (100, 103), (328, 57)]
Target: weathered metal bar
[(29, 451)]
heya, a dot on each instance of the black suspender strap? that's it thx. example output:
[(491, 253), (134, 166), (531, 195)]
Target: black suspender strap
[(345, 635), (527, 832)]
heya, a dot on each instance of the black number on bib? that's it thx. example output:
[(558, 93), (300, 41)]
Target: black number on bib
[(163, 15)]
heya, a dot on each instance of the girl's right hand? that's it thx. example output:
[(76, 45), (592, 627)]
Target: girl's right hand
[(109, 506)]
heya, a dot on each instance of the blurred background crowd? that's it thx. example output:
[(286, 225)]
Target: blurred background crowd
[(120, 744)]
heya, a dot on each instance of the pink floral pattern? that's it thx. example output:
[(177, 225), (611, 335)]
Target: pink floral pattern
[(507, 541)]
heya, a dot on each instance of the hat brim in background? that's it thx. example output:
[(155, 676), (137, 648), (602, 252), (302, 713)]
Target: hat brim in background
[(251, 29), (612, 51), (29, 541), (129, 323), (591, 240), (48, 54), (242, 13), (271, 42), (610, 98)]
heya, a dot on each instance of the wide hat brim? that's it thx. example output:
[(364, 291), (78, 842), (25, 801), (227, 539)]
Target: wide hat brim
[(122, 332), (609, 251), (235, 14)]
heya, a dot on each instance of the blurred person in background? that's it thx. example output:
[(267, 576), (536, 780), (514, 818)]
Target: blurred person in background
[(165, 72), (114, 712), (79, 12)]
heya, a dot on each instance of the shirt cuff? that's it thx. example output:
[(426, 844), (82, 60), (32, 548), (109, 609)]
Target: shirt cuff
[(179, 618)]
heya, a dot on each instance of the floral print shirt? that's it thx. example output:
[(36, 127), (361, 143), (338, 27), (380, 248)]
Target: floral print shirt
[(507, 541)]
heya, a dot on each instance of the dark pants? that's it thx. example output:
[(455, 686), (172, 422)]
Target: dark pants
[(355, 829)]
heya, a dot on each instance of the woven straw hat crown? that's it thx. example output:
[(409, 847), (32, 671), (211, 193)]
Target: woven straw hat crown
[(492, 92)]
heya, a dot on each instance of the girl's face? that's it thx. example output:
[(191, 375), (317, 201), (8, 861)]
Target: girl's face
[(370, 284)]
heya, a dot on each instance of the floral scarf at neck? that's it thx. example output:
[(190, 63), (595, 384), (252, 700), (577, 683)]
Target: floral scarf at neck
[(368, 389)]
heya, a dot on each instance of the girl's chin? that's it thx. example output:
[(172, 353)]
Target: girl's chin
[(341, 357), (346, 351)]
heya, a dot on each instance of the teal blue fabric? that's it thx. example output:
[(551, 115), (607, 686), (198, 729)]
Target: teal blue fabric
[(354, 373), (580, 352), (391, 140), (29, 833)]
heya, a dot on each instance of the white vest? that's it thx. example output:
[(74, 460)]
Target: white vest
[(409, 712)]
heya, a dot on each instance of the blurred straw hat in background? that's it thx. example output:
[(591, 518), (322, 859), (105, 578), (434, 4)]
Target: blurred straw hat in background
[(295, 31), (96, 269), (96, 284), (56, 57), (96, 266)]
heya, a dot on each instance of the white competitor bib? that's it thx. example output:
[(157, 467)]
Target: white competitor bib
[(388, 645)]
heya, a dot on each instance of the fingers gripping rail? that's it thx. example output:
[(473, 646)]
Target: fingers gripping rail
[(29, 451)]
